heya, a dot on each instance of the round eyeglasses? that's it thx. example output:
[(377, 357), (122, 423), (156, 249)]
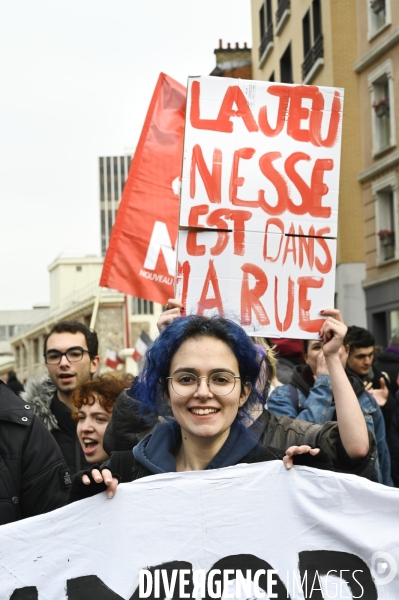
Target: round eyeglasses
[(75, 354), (221, 384)]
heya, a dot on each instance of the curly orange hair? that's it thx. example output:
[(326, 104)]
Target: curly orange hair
[(104, 389)]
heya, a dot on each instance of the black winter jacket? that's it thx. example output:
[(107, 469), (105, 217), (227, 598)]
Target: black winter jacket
[(34, 478), (388, 363), (41, 394)]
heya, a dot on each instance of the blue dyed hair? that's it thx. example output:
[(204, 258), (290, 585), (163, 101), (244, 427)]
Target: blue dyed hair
[(151, 389)]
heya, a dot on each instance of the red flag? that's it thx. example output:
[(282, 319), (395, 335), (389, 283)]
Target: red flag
[(140, 259)]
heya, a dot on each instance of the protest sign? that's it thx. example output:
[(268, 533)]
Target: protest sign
[(233, 533), (261, 161), (140, 259)]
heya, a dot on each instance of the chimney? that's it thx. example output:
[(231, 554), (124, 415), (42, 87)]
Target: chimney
[(237, 45), (228, 45), (220, 44), (245, 44)]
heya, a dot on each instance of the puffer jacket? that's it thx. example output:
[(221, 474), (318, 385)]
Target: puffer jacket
[(34, 478), (40, 393)]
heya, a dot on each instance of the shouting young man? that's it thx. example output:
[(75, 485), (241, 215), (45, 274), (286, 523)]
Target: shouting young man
[(71, 357)]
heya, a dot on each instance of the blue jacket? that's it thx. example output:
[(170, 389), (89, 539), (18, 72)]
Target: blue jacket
[(316, 404)]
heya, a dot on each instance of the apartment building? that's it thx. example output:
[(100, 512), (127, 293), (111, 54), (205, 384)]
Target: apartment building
[(314, 42), (377, 68)]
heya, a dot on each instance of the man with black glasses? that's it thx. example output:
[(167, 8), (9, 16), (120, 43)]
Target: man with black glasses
[(71, 357)]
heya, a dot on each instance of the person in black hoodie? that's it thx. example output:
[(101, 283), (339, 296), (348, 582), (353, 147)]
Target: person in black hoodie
[(204, 372)]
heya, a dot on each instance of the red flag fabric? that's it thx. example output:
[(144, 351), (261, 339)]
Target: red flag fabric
[(141, 259)]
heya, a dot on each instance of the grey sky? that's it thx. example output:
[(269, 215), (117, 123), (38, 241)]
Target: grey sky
[(77, 77)]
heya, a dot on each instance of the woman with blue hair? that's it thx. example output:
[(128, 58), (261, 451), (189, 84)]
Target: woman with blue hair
[(203, 372)]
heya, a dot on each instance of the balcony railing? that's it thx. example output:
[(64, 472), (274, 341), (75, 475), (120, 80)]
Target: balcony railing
[(316, 52), (267, 39), (283, 5)]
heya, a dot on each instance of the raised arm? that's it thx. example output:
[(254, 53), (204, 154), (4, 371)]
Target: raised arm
[(173, 310), (351, 423)]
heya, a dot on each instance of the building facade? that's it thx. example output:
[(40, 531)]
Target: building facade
[(113, 171), (233, 62), (73, 288), (377, 68), (314, 42), (73, 291), (13, 322)]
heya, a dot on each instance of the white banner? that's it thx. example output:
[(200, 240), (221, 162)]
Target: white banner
[(231, 533)]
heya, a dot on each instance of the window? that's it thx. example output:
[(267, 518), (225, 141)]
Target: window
[(286, 66), (262, 21), (316, 10), (378, 16), (142, 307), (307, 44), (382, 102), (385, 198), (266, 31), (282, 14), (394, 322), (78, 268), (313, 53), (3, 332)]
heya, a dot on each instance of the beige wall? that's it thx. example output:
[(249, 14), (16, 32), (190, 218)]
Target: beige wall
[(71, 276), (344, 53), (374, 270), (364, 43)]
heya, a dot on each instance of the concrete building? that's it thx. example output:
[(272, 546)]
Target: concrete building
[(113, 171), (377, 68), (314, 42)]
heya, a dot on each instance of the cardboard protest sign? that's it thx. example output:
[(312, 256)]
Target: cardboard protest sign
[(233, 533), (261, 160), (141, 257)]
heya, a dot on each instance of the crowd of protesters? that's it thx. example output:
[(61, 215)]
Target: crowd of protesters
[(208, 397)]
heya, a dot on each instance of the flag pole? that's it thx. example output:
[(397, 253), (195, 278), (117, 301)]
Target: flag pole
[(127, 320), (95, 309)]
